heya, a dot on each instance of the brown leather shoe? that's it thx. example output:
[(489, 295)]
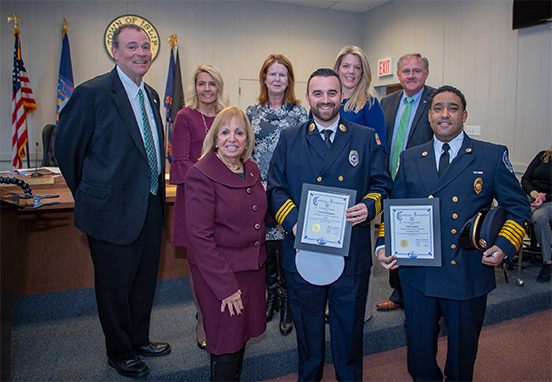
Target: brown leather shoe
[(387, 305)]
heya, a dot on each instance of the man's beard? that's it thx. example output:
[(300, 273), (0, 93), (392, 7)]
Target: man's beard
[(334, 111)]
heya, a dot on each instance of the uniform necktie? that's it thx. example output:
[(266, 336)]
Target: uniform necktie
[(444, 160), (150, 146), (327, 134), (400, 137)]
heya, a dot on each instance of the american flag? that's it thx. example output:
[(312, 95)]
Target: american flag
[(23, 104)]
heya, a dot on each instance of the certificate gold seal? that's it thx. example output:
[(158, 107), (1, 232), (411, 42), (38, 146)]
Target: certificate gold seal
[(404, 243), (478, 185), (315, 227)]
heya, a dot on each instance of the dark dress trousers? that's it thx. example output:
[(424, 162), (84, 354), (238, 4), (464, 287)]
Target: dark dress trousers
[(420, 132), (225, 225), (353, 161), (457, 290), (103, 160)]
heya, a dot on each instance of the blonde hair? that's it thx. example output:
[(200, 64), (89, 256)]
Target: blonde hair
[(223, 100), (222, 119), (289, 93), (361, 94), (547, 154)]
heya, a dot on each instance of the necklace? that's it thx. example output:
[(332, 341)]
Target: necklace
[(233, 168), (204, 123)]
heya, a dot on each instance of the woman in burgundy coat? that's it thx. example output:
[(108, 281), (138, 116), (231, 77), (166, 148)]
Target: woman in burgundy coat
[(225, 213), (205, 98)]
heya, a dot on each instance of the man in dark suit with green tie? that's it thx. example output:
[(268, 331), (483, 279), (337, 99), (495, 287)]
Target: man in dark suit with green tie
[(109, 146), (406, 125)]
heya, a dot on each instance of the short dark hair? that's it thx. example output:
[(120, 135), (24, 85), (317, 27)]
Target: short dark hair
[(324, 72), (451, 89), (115, 39)]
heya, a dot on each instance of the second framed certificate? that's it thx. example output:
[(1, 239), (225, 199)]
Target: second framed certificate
[(322, 224), (413, 231)]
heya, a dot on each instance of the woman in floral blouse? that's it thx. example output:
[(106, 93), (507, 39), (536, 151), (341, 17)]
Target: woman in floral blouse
[(277, 109)]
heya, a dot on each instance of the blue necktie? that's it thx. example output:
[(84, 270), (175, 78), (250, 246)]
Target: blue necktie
[(150, 146)]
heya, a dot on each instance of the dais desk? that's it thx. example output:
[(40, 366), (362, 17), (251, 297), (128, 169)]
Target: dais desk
[(52, 255)]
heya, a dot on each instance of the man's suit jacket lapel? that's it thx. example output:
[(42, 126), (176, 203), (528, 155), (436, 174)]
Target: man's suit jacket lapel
[(422, 109), (124, 108), (430, 178)]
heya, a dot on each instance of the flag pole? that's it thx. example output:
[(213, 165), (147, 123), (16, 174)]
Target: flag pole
[(173, 40)]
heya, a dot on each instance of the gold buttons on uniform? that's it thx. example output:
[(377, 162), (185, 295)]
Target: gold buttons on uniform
[(319, 179), (455, 199), (430, 197), (453, 231), (453, 246), (340, 178), (311, 127), (468, 150), (342, 127), (455, 216), (424, 153), (248, 190), (453, 262), (257, 226)]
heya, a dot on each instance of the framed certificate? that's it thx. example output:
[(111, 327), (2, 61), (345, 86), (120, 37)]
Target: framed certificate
[(413, 231), (322, 225)]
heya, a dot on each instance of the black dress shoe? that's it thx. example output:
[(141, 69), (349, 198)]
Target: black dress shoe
[(133, 368), (154, 349)]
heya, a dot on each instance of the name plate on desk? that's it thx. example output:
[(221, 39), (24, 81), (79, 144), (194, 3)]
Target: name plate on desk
[(413, 231), (322, 224)]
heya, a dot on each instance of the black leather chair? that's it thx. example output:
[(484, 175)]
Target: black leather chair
[(48, 135)]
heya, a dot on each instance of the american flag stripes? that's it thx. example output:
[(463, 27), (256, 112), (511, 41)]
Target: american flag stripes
[(23, 104)]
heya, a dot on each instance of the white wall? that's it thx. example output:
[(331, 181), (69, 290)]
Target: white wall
[(235, 36), (504, 74)]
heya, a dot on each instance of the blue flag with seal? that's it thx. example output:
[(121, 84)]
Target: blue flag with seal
[(65, 81), (174, 94)]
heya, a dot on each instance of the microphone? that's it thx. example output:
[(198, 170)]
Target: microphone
[(35, 173)]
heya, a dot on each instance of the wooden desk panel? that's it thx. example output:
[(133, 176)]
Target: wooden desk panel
[(52, 255)]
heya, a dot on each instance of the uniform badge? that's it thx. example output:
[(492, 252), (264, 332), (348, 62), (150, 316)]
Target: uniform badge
[(353, 157), (506, 161), (312, 126), (342, 127), (478, 185), (378, 140)]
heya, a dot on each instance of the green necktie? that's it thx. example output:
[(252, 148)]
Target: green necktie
[(400, 137), (150, 146)]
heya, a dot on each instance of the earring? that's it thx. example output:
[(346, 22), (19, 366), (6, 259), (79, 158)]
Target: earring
[(216, 146)]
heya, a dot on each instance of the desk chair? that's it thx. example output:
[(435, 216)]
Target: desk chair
[(48, 158)]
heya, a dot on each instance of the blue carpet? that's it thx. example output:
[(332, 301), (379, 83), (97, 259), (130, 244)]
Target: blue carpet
[(57, 336)]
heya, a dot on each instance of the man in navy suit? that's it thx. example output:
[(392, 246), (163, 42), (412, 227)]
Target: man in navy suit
[(466, 175), (109, 146), (412, 72), (332, 152)]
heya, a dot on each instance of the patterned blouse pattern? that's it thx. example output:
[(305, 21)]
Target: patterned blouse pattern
[(267, 124)]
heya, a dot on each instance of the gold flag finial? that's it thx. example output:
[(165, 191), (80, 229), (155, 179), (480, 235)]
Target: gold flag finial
[(16, 19), (64, 29), (173, 39)]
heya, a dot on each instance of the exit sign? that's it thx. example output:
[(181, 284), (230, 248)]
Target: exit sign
[(385, 66)]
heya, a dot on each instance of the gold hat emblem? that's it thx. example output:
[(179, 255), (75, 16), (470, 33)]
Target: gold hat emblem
[(478, 185), (312, 126), (342, 127)]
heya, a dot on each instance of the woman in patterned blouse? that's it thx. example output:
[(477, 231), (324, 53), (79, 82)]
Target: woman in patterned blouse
[(277, 109)]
